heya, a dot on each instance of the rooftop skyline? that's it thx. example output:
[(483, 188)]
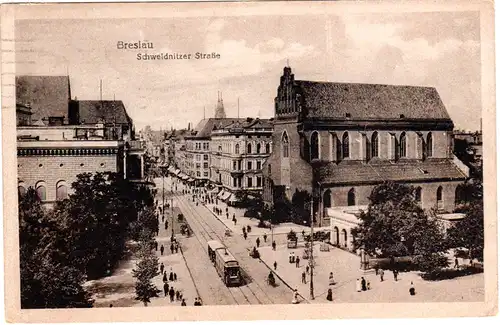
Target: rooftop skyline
[(434, 49)]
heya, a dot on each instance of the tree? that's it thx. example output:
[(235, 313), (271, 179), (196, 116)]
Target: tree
[(395, 225), (469, 232), (48, 278), (146, 269)]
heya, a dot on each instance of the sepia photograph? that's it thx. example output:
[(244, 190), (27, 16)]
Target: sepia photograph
[(277, 158)]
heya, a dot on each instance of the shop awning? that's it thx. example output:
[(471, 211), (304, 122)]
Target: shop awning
[(226, 196), (177, 171), (221, 193), (232, 198)]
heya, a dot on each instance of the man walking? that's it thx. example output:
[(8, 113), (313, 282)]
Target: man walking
[(274, 245), (303, 277), (265, 238), (275, 265), (156, 245), (171, 293), (297, 262), (162, 267), (257, 241), (456, 263), (395, 273), (381, 275), (162, 249), (172, 248), (165, 289)]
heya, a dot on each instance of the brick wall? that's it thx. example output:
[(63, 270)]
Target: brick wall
[(61, 168)]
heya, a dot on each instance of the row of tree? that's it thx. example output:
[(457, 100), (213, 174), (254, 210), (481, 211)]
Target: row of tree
[(81, 238)]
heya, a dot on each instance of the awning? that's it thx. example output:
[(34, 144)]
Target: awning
[(221, 193), (190, 179), (214, 190), (177, 171), (226, 196), (232, 198)]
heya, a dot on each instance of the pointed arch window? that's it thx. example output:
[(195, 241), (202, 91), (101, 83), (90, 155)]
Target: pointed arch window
[(249, 148), (268, 148), (402, 145), (351, 197), (439, 197), (286, 145), (345, 145), (428, 147), (314, 145), (258, 147), (374, 145), (237, 148), (61, 191)]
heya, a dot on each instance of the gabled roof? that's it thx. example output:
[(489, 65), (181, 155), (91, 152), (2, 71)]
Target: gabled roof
[(381, 170), (370, 101), (110, 111), (47, 95)]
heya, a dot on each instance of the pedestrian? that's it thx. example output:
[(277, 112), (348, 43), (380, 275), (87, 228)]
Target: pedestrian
[(234, 221), (290, 257), (196, 302), (295, 299), (177, 295), (227, 215), (303, 277), (381, 275), (171, 293), (172, 248), (363, 284), (176, 249), (329, 295), (162, 249), (376, 269), (248, 228), (171, 276), (293, 257), (162, 267), (307, 269), (257, 241), (274, 245), (165, 288), (297, 262), (175, 276), (275, 265), (395, 273), (162, 218), (200, 302), (183, 303), (358, 285), (456, 263), (265, 238), (330, 279), (165, 276), (234, 216), (156, 245), (244, 230), (245, 235), (412, 289), (368, 285)]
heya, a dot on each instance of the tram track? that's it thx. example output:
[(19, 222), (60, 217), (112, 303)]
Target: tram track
[(248, 294)]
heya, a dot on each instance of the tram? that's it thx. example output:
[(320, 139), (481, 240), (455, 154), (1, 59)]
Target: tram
[(226, 265)]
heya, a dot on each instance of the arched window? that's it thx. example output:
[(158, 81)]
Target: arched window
[(374, 144), (237, 148), (351, 197), (327, 199), (21, 190), (418, 195), (41, 191), (458, 195), (268, 148), (314, 145), (429, 145), (345, 145), (220, 148), (285, 144), (402, 145), (344, 237), (439, 197), (258, 147), (249, 148), (61, 191)]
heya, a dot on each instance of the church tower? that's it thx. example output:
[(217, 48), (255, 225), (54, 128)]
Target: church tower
[(219, 109)]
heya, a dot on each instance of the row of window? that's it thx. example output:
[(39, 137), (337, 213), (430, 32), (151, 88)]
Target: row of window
[(342, 147), (237, 165), (198, 157), (41, 190), (259, 148), (351, 197)]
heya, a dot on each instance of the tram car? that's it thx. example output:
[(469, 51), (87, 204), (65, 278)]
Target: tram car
[(226, 265)]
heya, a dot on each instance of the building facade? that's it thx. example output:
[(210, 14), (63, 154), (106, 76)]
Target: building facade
[(92, 136), (239, 150), (339, 140)]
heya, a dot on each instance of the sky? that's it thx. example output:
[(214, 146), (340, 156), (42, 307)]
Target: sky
[(436, 49)]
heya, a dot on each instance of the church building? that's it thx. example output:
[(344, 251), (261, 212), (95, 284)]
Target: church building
[(339, 140)]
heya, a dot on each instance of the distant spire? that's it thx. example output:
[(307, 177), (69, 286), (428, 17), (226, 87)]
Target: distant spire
[(203, 112), (219, 109)]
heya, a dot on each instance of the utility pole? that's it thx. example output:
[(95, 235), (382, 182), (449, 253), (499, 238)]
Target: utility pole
[(163, 194), (311, 256)]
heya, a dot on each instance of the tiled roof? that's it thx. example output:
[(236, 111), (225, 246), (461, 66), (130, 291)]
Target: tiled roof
[(370, 101), (111, 111), (206, 126), (47, 95), (372, 172)]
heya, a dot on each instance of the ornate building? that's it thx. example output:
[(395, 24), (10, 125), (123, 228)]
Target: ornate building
[(63, 138), (239, 149), (339, 140)]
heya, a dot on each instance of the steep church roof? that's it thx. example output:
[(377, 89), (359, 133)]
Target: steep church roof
[(108, 111), (219, 109), (370, 101)]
